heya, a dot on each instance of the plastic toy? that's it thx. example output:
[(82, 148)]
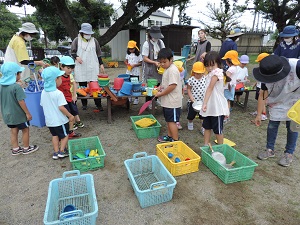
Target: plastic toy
[(177, 160), (170, 155)]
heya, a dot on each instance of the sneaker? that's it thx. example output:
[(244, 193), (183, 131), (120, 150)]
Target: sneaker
[(129, 99), (253, 113), (74, 135), (202, 131), (100, 108), (165, 138), (226, 120), (57, 155), (179, 126), (263, 117), (190, 126), (269, 153), (286, 160), (136, 101), (17, 152), (30, 149), (78, 124), (84, 107)]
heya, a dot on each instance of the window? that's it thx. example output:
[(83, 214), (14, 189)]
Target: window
[(159, 23), (151, 23)]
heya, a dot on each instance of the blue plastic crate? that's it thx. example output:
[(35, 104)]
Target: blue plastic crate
[(151, 181), (77, 191)]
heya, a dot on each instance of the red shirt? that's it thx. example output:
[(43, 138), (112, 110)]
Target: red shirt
[(65, 87)]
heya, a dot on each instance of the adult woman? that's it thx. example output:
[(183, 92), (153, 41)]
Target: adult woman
[(16, 50), (203, 46), (229, 44), (86, 51), (289, 47)]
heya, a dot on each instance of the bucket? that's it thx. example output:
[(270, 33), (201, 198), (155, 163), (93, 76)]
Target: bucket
[(118, 82), (124, 76), (103, 83), (126, 88), (102, 75), (137, 86), (32, 101), (94, 86), (152, 82)]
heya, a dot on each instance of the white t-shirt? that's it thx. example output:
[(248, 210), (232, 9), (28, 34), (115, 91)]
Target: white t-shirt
[(198, 87), (242, 73), (233, 71), (134, 59), (50, 101), (145, 49), (174, 98)]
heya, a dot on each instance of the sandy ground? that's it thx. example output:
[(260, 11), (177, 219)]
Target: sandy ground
[(270, 197)]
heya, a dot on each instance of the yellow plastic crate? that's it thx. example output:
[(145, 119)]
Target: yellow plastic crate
[(145, 122), (294, 112), (189, 160)]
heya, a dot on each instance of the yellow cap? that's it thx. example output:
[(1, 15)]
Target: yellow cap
[(261, 56), (234, 56), (179, 65), (198, 67), (132, 44)]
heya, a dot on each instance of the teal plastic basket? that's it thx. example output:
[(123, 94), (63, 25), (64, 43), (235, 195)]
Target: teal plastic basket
[(242, 170), (78, 191), (151, 181)]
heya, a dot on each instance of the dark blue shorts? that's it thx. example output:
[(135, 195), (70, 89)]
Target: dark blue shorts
[(60, 131), (214, 123), (20, 126), (191, 112), (72, 108), (171, 114)]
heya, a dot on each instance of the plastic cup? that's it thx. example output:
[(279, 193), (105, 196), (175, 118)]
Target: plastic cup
[(129, 67), (149, 91), (95, 94)]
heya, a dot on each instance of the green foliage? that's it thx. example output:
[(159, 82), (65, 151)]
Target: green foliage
[(223, 18), (9, 24)]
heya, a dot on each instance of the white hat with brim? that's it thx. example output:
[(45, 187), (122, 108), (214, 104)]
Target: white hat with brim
[(86, 28), (28, 28), (155, 32), (9, 71), (271, 69), (234, 33)]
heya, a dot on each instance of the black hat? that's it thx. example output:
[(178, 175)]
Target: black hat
[(155, 32), (272, 69)]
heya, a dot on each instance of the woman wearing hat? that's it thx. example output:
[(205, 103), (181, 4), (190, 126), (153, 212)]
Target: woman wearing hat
[(16, 50), (230, 44), (289, 47), (150, 50), (86, 50), (280, 79)]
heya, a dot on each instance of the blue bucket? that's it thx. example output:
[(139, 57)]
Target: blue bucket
[(32, 101), (126, 88), (126, 77), (137, 86)]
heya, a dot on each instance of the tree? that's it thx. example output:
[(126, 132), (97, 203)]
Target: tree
[(131, 15), (9, 24), (283, 13), (222, 19)]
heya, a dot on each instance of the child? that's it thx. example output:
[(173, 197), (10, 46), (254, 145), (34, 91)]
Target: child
[(53, 101), (67, 64), (170, 93), (196, 87), (13, 107), (260, 57), (242, 76), (54, 61), (133, 60), (232, 60), (214, 107)]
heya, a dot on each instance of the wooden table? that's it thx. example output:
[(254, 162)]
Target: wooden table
[(109, 104), (244, 105)]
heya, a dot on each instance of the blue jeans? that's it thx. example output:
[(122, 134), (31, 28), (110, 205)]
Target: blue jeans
[(272, 134)]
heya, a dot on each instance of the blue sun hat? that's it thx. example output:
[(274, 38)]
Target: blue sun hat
[(235, 32), (49, 75), (289, 31), (9, 72), (67, 60)]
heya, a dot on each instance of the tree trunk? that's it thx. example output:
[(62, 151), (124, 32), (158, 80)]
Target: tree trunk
[(66, 17)]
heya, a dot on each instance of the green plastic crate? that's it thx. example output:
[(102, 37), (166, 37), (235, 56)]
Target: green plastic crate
[(146, 132), (80, 146), (243, 168)]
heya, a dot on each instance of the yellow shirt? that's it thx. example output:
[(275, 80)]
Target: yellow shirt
[(18, 45)]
